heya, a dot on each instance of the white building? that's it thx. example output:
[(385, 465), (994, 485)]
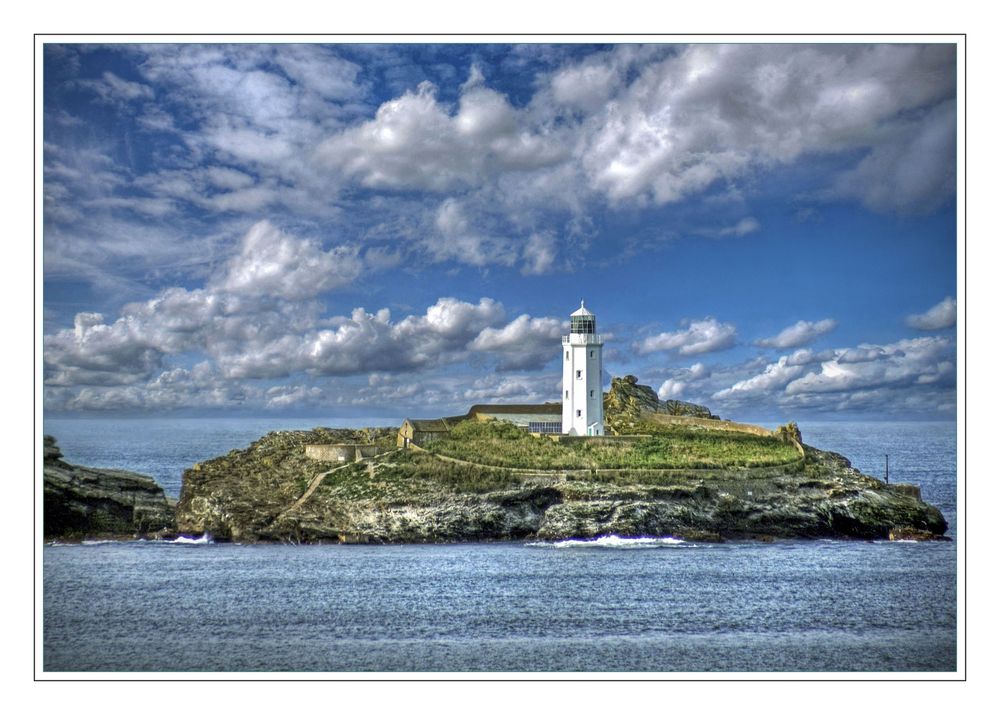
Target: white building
[(583, 399)]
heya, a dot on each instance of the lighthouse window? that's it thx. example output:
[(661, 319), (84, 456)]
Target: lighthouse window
[(591, 353), (579, 413), (591, 393), (579, 374), (567, 354), (567, 394), (582, 324)]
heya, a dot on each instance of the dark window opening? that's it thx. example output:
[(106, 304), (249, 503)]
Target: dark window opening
[(583, 324), (545, 427)]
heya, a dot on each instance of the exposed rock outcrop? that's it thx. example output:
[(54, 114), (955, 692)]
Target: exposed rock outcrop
[(626, 400), (84, 502)]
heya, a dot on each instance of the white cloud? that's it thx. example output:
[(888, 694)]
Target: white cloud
[(415, 143), (225, 177), (698, 371), (911, 170), (320, 70), (743, 227), (248, 339), (712, 112), (285, 396), (539, 254), (671, 389), (370, 342), (907, 362), (799, 334), (286, 128), (775, 376), (458, 240), (701, 336), (908, 377), (113, 89), (271, 262), (681, 378), (93, 353), (510, 388), (524, 343), (942, 315), (587, 86)]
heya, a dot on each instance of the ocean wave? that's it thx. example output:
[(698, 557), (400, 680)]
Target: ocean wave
[(205, 538), (613, 541)]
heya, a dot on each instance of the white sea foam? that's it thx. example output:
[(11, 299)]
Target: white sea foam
[(205, 538), (613, 541)]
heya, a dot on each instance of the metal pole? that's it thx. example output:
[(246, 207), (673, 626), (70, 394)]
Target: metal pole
[(887, 469)]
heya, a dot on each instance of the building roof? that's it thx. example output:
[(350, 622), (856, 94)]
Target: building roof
[(438, 424), (581, 312), (548, 408)]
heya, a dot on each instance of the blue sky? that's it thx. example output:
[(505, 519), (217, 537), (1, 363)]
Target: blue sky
[(403, 230)]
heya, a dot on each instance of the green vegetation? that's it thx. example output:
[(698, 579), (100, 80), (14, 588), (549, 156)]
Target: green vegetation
[(662, 446), (406, 475)]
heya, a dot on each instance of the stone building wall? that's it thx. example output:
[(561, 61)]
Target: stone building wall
[(340, 452)]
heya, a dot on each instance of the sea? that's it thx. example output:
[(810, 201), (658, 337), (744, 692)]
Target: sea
[(605, 606)]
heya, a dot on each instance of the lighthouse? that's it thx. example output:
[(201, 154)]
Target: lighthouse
[(583, 399)]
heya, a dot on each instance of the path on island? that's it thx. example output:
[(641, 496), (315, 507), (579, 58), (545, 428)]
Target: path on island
[(318, 479)]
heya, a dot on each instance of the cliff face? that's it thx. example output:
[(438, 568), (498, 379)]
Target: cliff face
[(238, 495), (271, 492), (82, 501)]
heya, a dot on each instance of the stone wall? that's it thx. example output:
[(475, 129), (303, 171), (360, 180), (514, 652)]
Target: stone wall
[(724, 425), (341, 452), (909, 489)]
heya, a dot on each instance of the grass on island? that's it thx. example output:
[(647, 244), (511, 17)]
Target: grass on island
[(410, 476), (503, 444)]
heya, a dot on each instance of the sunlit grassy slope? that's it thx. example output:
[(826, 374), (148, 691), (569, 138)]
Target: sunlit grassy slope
[(659, 446)]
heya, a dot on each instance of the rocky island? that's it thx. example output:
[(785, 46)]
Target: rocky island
[(664, 469), (84, 502)]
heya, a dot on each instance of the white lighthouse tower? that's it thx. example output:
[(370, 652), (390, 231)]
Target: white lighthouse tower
[(583, 399)]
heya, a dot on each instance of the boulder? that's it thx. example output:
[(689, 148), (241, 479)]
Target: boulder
[(903, 533)]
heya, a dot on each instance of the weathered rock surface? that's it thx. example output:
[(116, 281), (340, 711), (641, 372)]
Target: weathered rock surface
[(626, 400), (907, 534), (86, 502), (406, 496)]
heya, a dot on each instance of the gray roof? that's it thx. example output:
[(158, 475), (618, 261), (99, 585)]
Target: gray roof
[(548, 408), (438, 424)]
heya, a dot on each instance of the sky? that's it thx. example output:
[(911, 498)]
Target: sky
[(383, 231)]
